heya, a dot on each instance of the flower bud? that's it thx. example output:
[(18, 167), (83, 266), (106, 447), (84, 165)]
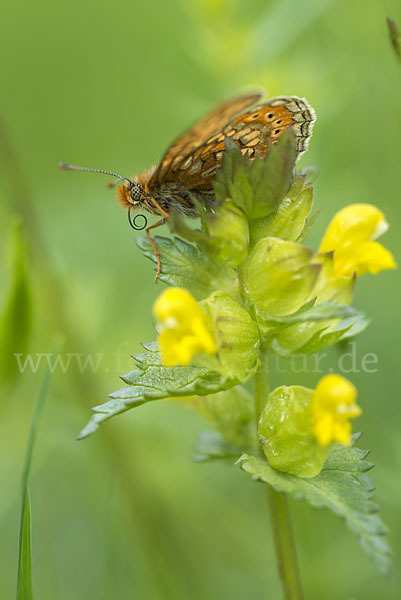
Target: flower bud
[(228, 231), (236, 335), (279, 276)]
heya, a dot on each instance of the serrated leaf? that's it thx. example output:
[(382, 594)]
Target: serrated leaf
[(212, 446), (323, 338), (153, 381), (320, 312), (342, 487), (184, 265), (346, 329), (276, 176), (257, 186)]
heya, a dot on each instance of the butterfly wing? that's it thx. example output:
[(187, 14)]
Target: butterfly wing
[(253, 130), (210, 124)]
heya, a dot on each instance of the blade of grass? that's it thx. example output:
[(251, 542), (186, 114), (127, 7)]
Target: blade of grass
[(395, 37), (24, 577), (24, 584)]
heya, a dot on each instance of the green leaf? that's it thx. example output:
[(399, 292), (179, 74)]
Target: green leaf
[(184, 265), (325, 337), (275, 177), (288, 221), (320, 312), (212, 446), (342, 487), (257, 186), (308, 226), (16, 316), (24, 583), (153, 381)]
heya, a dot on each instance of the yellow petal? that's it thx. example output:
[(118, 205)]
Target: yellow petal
[(350, 237), (370, 257), (183, 327), (333, 405), (353, 224), (175, 302)]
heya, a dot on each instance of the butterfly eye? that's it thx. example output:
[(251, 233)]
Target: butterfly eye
[(136, 192)]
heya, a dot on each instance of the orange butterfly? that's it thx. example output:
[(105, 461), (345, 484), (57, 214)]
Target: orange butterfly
[(189, 165)]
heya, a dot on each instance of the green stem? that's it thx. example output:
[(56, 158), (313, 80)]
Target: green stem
[(261, 384), (282, 531), (284, 545)]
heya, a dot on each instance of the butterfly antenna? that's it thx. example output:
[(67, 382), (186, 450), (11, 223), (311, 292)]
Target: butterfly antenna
[(67, 167)]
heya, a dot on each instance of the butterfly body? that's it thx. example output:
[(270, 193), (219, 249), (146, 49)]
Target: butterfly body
[(161, 199), (188, 168)]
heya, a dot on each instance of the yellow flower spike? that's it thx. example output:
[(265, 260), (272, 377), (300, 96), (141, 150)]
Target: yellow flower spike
[(183, 327), (333, 404), (350, 237)]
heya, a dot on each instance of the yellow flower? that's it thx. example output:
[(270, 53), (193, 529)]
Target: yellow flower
[(183, 327), (350, 236), (333, 404)]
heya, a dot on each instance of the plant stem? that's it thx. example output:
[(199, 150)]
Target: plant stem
[(261, 384), (284, 545), (279, 514)]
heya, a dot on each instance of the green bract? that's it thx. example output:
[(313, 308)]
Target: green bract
[(285, 432), (236, 335), (338, 291), (289, 220), (279, 276), (229, 233), (232, 413)]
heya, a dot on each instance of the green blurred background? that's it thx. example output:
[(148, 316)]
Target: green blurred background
[(126, 513)]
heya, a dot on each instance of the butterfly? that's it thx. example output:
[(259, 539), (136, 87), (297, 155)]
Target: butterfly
[(189, 165)]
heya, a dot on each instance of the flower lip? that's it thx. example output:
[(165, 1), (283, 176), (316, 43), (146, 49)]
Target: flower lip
[(183, 327), (350, 236), (333, 404)]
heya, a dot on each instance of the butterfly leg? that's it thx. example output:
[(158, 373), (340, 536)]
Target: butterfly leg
[(155, 250)]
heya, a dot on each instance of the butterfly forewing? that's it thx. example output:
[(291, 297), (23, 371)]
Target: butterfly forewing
[(209, 125)]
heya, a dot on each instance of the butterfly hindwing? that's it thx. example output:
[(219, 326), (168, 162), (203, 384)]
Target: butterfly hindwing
[(253, 130)]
